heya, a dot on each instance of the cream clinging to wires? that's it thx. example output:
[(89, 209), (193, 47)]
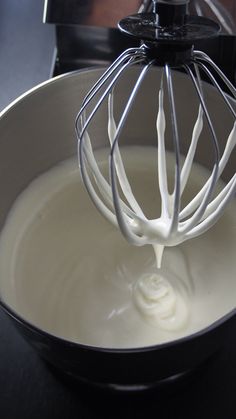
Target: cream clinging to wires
[(167, 39)]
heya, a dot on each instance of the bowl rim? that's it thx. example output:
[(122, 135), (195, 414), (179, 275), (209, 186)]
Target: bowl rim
[(70, 74), (44, 84)]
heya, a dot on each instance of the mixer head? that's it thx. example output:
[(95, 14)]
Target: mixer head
[(167, 39)]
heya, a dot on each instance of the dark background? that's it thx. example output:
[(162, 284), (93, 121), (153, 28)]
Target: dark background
[(28, 387)]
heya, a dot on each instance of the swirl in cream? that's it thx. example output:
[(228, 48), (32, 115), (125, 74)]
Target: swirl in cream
[(159, 302)]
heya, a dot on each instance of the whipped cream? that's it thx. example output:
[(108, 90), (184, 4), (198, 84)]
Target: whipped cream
[(159, 302), (65, 269)]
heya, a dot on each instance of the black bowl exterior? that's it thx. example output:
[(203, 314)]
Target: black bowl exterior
[(126, 367)]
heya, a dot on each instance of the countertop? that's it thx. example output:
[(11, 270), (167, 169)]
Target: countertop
[(28, 387)]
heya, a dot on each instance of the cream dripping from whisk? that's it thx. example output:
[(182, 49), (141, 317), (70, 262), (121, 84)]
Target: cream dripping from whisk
[(175, 224), (172, 227), (167, 40), (158, 300)]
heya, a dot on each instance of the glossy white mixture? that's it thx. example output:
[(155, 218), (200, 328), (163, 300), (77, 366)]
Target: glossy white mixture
[(175, 223), (67, 270)]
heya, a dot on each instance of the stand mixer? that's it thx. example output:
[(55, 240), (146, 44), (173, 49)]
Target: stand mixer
[(167, 40)]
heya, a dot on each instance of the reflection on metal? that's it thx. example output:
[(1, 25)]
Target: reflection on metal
[(146, 6)]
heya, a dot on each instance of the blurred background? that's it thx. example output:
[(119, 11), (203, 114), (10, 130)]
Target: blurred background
[(108, 12), (82, 33)]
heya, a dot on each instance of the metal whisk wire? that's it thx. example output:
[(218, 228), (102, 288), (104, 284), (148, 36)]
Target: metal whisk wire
[(85, 152)]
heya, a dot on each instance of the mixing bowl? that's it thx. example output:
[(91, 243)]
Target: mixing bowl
[(37, 132)]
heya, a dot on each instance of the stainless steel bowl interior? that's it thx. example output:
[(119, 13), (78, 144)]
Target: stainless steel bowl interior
[(37, 132)]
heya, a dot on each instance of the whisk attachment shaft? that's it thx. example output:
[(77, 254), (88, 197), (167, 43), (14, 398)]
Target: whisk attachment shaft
[(114, 197), (170, 13)]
